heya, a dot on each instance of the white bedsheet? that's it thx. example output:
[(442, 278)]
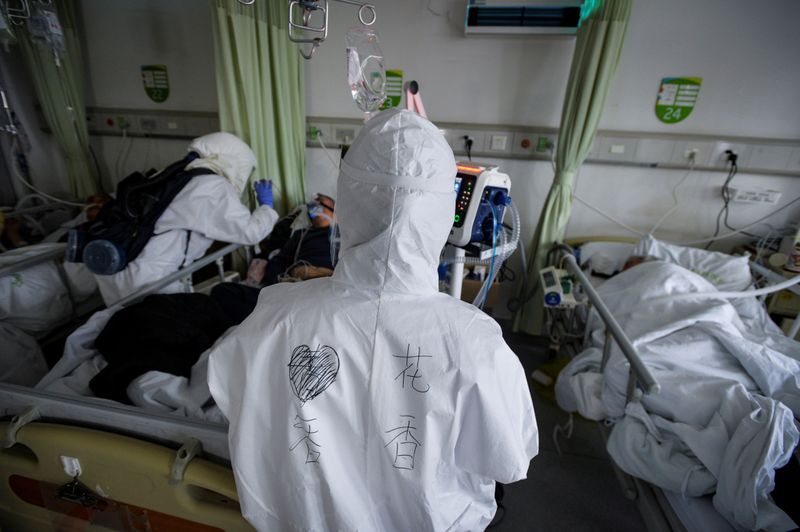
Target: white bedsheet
[(724, 420), (154, 390), (36, 299)]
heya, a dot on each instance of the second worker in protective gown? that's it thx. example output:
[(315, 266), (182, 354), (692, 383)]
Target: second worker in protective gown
[(369, 400), (207, 209)]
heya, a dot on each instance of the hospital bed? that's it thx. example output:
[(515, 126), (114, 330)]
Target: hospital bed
[(134, 463), (662, 510), (41, 299), (44, 217)]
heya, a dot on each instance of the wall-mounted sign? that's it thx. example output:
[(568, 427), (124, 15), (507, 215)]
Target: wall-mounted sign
[(394, 89), (156, 82), (676, 98)]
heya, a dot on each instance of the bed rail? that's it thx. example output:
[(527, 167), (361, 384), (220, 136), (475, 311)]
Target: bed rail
[(638, 372), (56, 252), (775, 278), (178, 275)]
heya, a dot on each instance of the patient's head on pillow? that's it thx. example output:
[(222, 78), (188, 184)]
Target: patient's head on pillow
[(635, 260)]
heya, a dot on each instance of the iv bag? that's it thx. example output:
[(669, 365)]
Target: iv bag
[(366, 75)]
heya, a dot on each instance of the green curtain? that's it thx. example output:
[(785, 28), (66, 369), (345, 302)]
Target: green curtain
[(260, 91), (594, 63), (58, 83)]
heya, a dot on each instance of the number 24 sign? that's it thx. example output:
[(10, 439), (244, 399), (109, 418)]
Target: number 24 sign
[(676, 99)]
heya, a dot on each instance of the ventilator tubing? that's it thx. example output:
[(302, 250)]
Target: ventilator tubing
[(515, 235), (508, 247)]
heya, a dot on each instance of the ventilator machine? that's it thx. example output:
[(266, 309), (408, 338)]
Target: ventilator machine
[(478, 235), (478, 189)]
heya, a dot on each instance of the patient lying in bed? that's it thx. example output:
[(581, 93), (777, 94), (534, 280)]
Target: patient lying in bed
[(153, 353), (724, 420)]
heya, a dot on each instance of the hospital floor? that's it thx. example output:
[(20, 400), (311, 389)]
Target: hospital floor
[(576, 490)]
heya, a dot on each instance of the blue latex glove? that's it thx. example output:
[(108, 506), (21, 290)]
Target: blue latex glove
[(264, 192)]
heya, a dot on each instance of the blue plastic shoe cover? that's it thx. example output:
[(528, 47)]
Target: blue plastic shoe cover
[(103, 257)]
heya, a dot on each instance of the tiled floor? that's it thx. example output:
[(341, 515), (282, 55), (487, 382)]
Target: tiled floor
[(576, 490)]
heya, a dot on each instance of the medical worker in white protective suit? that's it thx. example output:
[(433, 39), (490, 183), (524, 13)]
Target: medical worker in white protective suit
[(369, 400), (207, 209)]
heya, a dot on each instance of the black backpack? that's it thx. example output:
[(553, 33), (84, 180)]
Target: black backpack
[(129, 220)]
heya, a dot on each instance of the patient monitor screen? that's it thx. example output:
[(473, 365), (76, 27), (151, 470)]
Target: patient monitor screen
[(549, 279)]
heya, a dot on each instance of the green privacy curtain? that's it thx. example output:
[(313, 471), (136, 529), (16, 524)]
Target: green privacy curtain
[(594, 62), (260, 91), (58, 82)]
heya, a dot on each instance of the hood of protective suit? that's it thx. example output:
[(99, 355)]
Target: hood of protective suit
[(395, 204), (224, 154)]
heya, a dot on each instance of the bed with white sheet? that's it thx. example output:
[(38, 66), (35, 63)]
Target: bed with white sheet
[(167, 409), (154, 390), (724, 419), (38, 293)]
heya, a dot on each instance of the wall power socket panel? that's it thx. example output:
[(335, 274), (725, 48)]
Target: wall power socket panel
[(754, 195)]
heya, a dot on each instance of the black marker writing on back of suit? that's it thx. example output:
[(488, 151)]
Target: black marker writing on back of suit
[(312, 371)]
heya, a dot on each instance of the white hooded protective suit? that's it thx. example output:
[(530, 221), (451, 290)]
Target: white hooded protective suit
[(207, 209), (369, 400)]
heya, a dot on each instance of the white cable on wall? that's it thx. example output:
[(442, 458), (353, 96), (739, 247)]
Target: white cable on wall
[(325, 149), (739, 231), (17, 174), (608, 216), (675, 201)]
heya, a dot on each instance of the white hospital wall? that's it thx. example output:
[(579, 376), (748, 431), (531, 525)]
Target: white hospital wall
[(47, 164), (745, 52), (122, 35)]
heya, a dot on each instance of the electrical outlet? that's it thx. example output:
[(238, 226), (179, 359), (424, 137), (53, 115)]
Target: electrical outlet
[(545, 144), (498, 142), (455, 137), (148, 125), (315, 131), (719, 155), (344, 134), (124, 122), (616, 149), (683, 149)]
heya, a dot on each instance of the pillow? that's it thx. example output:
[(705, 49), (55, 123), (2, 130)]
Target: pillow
[(606, 258), (726, 272)]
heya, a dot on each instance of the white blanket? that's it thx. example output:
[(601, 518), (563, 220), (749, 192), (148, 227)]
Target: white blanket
[(37, 298), (724, 420), (154, 390)]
